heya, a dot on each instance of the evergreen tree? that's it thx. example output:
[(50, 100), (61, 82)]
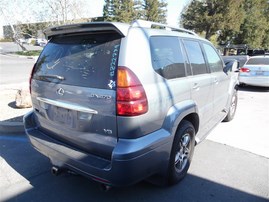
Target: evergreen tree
[(155, 10), (139, 11), (255, 26), (212, 16), (124, 12), (162, 11), (266, 37), (128, 10), (119, 10), (107, 10), (239, 22)]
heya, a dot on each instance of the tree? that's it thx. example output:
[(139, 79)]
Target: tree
[(119, 10), (254, 29), (14, 13), (62, 11), (124, 11), (266, 37), (108, 10), (155, 10), (128, 10), (212, 16)]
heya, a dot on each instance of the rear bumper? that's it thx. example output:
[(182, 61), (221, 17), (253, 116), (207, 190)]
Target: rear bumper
[(254, 81), (132, 160)]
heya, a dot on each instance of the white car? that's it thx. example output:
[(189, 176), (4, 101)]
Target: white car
[(41, 42), (255, 72)]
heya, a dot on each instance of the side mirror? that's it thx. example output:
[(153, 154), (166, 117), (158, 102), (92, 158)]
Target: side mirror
[(231, 65)]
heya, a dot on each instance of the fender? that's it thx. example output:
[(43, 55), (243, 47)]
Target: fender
[(176, 113)]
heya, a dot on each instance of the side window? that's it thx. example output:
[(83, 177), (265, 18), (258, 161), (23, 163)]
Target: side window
[(166, 56), (214, 61), (196, 57)]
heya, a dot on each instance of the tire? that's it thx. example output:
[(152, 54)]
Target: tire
[(232, 108), (181, 153)]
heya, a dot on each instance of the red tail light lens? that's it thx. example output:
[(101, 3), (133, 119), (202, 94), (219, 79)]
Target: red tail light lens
[(131, 96), (244, 69)]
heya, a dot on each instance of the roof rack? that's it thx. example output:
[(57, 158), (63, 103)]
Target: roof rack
[(149, 24)]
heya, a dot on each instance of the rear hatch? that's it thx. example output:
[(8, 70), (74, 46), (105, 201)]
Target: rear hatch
[(73, 89)]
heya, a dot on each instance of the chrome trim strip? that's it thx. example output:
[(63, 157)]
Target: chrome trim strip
[(67, 105)]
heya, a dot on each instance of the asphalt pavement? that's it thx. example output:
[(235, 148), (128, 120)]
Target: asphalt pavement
[(218, 173), (8, 47), (231, 165)]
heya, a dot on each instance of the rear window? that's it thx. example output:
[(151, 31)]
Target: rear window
[(88, 60), (258, 61)]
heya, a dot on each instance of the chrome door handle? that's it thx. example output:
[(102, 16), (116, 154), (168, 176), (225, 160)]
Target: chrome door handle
[(195, 86)]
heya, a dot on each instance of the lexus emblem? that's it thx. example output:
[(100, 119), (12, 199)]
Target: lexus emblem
[(60, 91)]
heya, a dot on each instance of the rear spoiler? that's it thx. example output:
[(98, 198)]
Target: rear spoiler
[(120, 28)]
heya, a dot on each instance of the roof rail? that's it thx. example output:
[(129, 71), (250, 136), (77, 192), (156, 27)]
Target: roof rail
[(149, 24)]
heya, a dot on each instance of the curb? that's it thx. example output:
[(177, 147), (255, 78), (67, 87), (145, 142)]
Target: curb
[(20, 56), (11, 127)]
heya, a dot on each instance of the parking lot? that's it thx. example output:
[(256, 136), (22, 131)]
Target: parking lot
[(249, 129), (231, 165)]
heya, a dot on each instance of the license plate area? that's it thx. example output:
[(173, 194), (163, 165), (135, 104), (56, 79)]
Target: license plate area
[(63, 116), (259, 73)]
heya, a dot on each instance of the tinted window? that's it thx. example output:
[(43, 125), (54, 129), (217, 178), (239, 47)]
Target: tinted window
[(196, 57), (214, 61), (80, 60), (258, 61), (167, 58)]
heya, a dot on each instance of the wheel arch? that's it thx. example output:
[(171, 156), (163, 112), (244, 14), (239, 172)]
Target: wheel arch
[(193, 118), (186, 110)]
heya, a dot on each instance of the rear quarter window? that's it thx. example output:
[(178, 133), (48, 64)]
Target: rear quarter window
[(166, 56), (213, 58), (88, 60), (196, 57)]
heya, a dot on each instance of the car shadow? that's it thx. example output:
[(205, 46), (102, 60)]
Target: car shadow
[(38, 184), (14, 119), (253, 89)]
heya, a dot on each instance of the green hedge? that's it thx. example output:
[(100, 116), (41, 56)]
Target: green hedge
[(29, 53)]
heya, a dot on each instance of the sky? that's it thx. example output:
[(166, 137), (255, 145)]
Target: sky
[(174, 8), (94, 9)]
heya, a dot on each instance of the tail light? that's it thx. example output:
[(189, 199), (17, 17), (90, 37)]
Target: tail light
[(244, 69), (131, 96), (30, 79)]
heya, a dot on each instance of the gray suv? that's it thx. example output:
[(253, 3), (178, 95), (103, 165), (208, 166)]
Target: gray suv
[(121, 103)]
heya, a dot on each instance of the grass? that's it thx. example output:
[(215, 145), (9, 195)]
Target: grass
[(5, 40), (29, 53)]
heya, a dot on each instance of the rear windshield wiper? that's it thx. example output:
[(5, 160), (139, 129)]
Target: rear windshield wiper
[(50, 76)]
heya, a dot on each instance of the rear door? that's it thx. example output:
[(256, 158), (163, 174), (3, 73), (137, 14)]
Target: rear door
[(221, 82), (73, 90), (201, 85)]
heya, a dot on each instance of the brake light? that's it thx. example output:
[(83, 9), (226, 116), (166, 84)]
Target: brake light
[(131, 96), (244, 69), (30, 79)]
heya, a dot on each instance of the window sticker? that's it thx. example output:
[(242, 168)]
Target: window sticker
[(114, 60), (112, 84)]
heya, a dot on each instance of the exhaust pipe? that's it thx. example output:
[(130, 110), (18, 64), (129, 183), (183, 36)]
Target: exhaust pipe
[(55, 170), (105, 187)]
